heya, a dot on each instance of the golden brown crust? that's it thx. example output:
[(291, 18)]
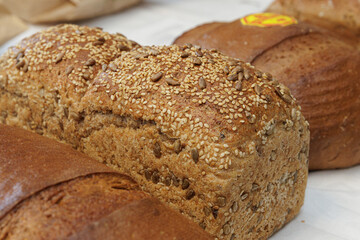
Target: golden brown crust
[(62, 61), (219, 108), (320, 71), (211, 136)]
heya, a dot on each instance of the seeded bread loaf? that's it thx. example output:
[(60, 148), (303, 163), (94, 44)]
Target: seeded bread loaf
[(50, 191), (336, 15), (321, 71), (211, 136)]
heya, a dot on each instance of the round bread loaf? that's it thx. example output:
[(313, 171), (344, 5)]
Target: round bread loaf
[(211, 136), (320, 70), (50, 191)]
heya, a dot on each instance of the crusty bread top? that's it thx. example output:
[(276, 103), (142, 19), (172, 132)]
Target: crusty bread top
[(331, 14), (247, 42), (64, 58), (193, 96), (30, 163)]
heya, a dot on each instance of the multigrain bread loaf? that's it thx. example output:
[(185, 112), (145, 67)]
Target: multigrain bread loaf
[(58, 65), (336, 15), (321, 71), (50, 191), (211, 136)]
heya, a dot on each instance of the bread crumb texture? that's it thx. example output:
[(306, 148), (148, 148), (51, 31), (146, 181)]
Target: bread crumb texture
[(211, 136)]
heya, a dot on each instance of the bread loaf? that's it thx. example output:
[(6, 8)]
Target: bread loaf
[(320, 70), (50, 191), (336, 15), (208, 135)]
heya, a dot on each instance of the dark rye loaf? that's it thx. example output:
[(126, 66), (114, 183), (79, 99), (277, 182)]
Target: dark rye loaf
[(50, 191), (320, 69), (210, 136)]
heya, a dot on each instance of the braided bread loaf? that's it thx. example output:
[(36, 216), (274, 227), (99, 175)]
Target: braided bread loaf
[(211, 136)]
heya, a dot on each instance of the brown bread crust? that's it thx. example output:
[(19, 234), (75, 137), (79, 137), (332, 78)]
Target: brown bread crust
[(320, 70), (66, 193), (142, 214), (25, 169), (211, 136), (336, 15)]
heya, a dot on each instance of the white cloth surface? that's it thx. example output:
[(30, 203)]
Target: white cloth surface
[(332, 203)]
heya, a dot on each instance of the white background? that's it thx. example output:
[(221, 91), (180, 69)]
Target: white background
[(332, 203)]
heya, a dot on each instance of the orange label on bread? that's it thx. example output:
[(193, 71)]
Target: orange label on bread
[(268, 20)]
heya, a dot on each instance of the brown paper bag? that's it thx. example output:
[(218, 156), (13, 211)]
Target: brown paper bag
[(10, 25), (45, 11)]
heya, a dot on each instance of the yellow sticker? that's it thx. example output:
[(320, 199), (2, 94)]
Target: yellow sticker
[(268, 20)]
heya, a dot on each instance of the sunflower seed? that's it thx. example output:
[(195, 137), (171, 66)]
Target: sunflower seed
[(167, 181), (20, 64), (177, 146), (199, 53), (202, 83), (156, 77), (86, 75), (244, 196), (207, 211), (157, 150), (235, 207), (155, 177), (148, 174), (184, 54), (69, 69), (196, 61), (185, 184), (232, 77), (246, 74), (59, 57), (221, 201), (238, 85), (172, 82), (258, 89), (227, 229), (90, 62), (26, 66), (195, 154), (190, 194), (123, 47)]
